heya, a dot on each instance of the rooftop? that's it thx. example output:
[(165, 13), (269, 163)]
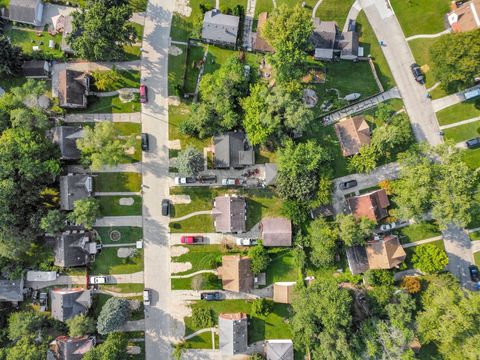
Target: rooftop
[(276, 231), (353, 133), (236, 273), (69, 302), (74, 248), (218, 27), (230, 213), (233, 333), (232, 150), (372, 205), (74, 187)]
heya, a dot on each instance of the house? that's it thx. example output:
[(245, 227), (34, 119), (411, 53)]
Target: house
[(283, 292), (26, 11), (230, 214), (66, 138), (36, 69), (271, 174), (11, 290), (348, 44), (279, 349), (276, 231), (69, 302), (260, 44), (74, 247), (74, 187), (220, 28), (465, 17), (71, 348), (67, 30), (232, 150), (233, 333), (73, 87), (385, 253), (236, 273), (372, 205), (323, 39), (353, 133)]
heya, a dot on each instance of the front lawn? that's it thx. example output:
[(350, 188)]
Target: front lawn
[(419, 231), (198, 223), (336, 10), (463, 132), (459, 112), (109, 105), (202, 257), (123, 288), (128, 234), (127, 79), (282, 267), (472, 158), (110, 182), (176, 69), (110, 206), (26, 39), (210, 282), (108, 263), (476, 257)]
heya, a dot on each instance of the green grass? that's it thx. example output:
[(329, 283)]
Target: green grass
[(109, 206), (211, 282), (203, 341), (463, 132), (199, 223), (138, 5), (474, 235), (98, 301), (27, 38), (459, 112), (138, 29), (202, 257), (411, 250), (108, 263), (232, 3), (129, 234), (195, 53), (125, 181), (263, 6), (334, 10), (183, 26), (176, 69), (419, 231), (109, 105), (476, 256), (131, 52), (217, 57), (282, 267), (472, 158), (128, 128), (260, 204), (127, 79), (421, 16), (124, 288)]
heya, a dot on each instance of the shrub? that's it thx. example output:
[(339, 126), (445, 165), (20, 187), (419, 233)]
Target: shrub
[(202, 317), (411, 284), (80, 325), (377, 277), (429, 258), (261, 307)]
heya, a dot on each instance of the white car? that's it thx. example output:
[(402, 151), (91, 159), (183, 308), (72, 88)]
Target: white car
[(146, 297), (98, 280), (387, 227), (246, 242), (228, 181)]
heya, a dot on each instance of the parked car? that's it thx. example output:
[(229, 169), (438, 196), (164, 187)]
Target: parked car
[(191, 239), (94, 280), (347, 184), (143, 94), (165, 207), (417, 73), (145, 144), (246, 242), (146, 297), (474, 275), (211, 296), (207, 178), (230, 181), (184, 180), (387, 227), (473, 143)]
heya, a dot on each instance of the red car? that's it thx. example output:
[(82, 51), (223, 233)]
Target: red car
[(191, 239), (143, 94)]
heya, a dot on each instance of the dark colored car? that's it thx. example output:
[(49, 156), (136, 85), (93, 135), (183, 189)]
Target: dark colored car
[(347, 184), (143, 94), (473, 143), (165, 207), (145, 144), (474, 275), (210, 296), (417, 73), (191, 239), (207, 178)]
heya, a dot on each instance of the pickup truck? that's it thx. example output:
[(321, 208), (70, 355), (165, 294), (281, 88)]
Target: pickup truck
[(246, 242), (191, 239)]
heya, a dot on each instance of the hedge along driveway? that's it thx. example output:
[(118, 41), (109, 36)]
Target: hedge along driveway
[(110, 206)]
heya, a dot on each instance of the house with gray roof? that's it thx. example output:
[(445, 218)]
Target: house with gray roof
[(279, 349), (323, 39), (276, 231), (233, 333), (220, 28), (71, 348), (230, 214), (69, 302), (36, 69), (74, 247), (74, 187), (232, 150), (348, 44), (66, 138), (73, 87), (11, 290), (25, 11)]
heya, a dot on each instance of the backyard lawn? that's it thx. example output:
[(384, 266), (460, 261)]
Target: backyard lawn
[(336, 10), (195, 54), (124, 181), (128, 234), (26, 38), (416, 232), (127, 79), (202, 257), (459, 112), (110, 206), (108, 105), (463, 132), (108, 263), (421, 16), (282, 267)]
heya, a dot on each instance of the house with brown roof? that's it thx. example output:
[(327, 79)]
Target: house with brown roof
[(372, 205), (276, 231), (385, 253), (70, 348), (236, 273), (230, 214), (465, 17), (233, 333), (73, 88), (353, 133), (283, 292), (260, 44)]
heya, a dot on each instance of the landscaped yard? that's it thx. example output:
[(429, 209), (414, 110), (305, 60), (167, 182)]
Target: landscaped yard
[(108, 263), (463, 111), (26, 38), (110, 206), (108, 105), (282, 267), (463, 132), (127, 79), (416, 232), (128, 234), (411, 250), (335, 10), (124, 181), (202, 257)]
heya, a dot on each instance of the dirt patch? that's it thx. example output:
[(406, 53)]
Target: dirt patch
[(174, 145), (180, 199), (178, 250), (182, 7), (175, 51), (126, 201), (179, 267), (134, 350), (125, 252), (173, 100)]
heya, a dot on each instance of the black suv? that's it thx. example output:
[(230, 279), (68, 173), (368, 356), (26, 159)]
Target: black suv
[(473, 269), (347, 184), (417, 73), (473, 143), (210, 296), (165, 207), (145, 144)]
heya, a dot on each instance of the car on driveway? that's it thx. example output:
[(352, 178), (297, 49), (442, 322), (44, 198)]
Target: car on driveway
[(191, 239), (388, 227), (347, 184), (474, 275), (184, 180), (165, 207), (207, 178), (230, 181), (246, 242), (146, 297), (95, 280), (473, 143), (210, 296), (417, 73)]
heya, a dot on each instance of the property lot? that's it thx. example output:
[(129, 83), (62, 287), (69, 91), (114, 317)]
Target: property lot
[(463, 111), (111, 205), (125, 181), (126, 79), (128, 234), (109, 105), (108, 262), (463, 132), (202, 257), (27, 38), (282, 266)]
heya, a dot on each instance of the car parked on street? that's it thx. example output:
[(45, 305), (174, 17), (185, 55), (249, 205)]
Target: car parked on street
[(417, 73), (474, 275), (191, 239), (165, 207), (347, 184), (473, 143), (145, 144), (246, 242), (146, 297), (207, 178), (230, 181), (211, 296), (143, 94)]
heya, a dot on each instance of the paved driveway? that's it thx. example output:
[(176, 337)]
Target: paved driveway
[(458, 248)]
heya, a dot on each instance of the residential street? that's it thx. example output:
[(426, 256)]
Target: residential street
[(399, 57)]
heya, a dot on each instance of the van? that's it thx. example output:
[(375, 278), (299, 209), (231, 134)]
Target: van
[(145, 144), (143, 94), (146, 297)]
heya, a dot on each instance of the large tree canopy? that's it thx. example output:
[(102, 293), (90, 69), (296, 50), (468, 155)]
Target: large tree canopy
[(11, 58), (323, 238)]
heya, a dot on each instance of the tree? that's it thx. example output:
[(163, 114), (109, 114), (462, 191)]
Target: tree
[(297, 211), (99, 32), (455, 59), (299, 167), (113, 348), (81, 325), (85, 212), (23, 323), (15, 243), (53, 222), (26, 348), (189, 162), (106, 79), (11, 57), (114, 314), (377, 277), (202, 317), (429, 258), (288, 31), (271, 116), (259, 258), (261, 307), (323, 238), (365, 160), (353, 232), (411, 284), (103, 145)]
